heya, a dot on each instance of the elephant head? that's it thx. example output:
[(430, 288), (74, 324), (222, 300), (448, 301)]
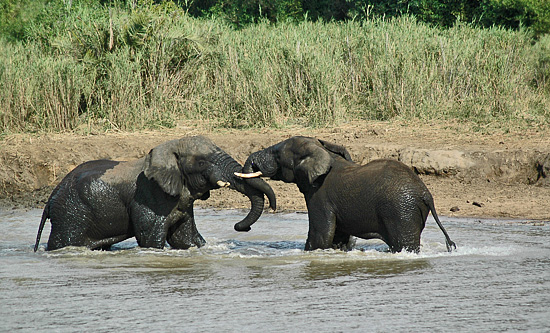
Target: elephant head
[(197, 165), (300, 160)]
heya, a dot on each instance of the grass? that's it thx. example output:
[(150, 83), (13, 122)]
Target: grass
[(131, 69)]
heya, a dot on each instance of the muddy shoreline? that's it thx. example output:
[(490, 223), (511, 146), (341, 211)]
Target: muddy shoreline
[(470, 173)]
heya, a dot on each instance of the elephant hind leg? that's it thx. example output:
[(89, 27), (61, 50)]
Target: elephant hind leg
[(105, 244), (402, 230), (409, 246), (80, 228), (64, 234), (404, 237)]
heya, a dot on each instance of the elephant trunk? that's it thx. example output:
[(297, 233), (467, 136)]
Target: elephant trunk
[(247, 168), (263, 161), (256, 209), (256, 183), (254, 191)]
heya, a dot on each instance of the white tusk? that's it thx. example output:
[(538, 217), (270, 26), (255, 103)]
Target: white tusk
[(221, 183), (249, 175)]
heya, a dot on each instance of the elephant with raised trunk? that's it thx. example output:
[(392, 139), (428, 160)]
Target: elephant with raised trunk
[(104, 202), (383, 199)]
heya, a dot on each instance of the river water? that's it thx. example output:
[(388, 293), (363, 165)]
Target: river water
[(497, 280)]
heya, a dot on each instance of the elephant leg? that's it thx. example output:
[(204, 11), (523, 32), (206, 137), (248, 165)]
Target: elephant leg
[(106, 243), (153, 233), (322, 225), (61, 237), (184, 234), (342, 240), (78, 237), (397, 244), (178, 228), (403, 232), (69, 227)]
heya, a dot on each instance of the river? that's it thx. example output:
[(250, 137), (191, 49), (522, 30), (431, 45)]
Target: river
[(498, 279)]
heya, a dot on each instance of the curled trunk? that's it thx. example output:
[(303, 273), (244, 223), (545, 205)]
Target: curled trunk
[(256, 198), (254, 191)]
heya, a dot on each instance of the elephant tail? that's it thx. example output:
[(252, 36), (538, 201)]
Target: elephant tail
[(45, 216), (430, 203)]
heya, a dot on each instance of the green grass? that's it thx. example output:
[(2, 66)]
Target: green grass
[(153, 67)]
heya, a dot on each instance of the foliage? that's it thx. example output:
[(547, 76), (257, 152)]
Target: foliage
[(18, 18), (142, 64), (533, 14)]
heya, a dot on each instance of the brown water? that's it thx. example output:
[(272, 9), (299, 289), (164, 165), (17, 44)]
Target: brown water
[(497, 280)]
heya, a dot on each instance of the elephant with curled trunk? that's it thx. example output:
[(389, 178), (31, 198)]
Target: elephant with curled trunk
[(383, 199), (104, 202)]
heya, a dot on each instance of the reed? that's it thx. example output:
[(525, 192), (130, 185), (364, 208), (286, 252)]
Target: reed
[(131, 69)]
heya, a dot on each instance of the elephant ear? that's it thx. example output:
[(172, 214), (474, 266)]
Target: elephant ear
[(337, 149), (161, 164), (315, 163)]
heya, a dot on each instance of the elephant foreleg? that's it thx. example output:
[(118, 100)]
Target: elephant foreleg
[(152, 230), (184, 234), (154, 233), (153, 226), (322, 226)]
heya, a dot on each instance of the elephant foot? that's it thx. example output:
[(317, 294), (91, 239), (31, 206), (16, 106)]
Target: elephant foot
[(184, 243), (345, 246), (199, 241), (343, 241)]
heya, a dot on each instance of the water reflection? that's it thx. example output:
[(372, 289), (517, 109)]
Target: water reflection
[(329, 269), (279, 245), (497, 280)]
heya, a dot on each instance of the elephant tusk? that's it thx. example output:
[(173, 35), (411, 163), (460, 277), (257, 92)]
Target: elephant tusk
[(249, 175), (221, 183)]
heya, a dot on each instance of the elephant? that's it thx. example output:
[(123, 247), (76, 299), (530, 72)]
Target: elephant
[(383, 199), (103, 202)]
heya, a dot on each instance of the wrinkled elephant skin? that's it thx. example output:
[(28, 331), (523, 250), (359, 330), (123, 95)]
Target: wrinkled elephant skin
[(103, 202), (383, 199)]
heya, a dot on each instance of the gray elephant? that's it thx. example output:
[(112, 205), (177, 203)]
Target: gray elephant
[(104, 202), (383, 199)]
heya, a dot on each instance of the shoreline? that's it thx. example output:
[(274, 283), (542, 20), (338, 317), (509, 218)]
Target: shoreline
[(494, 175)]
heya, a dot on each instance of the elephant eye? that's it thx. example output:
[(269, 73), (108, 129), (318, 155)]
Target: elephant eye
[(202, 164)]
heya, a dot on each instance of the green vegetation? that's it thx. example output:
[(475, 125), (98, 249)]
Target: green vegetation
[(80, 64), (534, 14)]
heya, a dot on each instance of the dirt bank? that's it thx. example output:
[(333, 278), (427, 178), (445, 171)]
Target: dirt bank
[(468, 172)]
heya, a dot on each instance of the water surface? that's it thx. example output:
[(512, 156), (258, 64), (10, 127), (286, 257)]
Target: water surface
[(497, 280)]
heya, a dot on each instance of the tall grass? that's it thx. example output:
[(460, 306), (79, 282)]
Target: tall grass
[(144, 67)]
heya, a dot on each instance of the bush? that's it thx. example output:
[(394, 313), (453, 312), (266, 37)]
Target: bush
[(532, 14), (133, 67)]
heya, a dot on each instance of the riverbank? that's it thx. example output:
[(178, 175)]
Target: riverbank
[(471, 171)]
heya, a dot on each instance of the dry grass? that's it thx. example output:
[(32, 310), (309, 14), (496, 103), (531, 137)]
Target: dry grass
[(139, 69)]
